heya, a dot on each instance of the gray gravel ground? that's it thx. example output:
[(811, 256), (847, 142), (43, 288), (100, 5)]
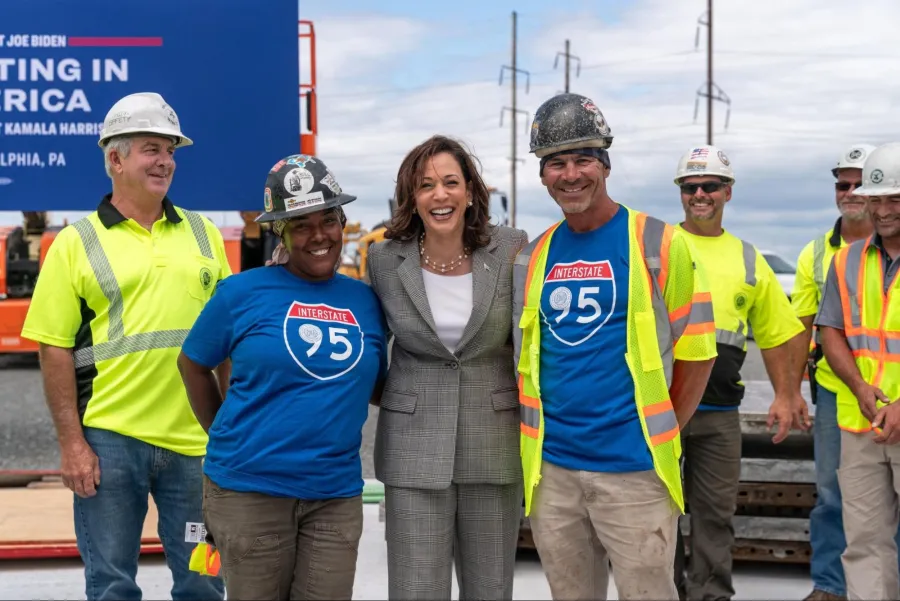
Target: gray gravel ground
[(28, 441)]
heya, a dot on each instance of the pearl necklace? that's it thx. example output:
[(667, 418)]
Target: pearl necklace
[(444, 267)]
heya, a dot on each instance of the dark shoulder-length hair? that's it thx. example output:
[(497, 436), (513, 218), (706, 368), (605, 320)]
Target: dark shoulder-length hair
[(407, 225)]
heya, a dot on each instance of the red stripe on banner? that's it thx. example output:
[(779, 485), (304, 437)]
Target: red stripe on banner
[(108, 41)]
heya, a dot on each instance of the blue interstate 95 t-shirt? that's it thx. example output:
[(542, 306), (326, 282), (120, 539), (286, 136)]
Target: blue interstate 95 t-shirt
[(591, 419), (305, 359)]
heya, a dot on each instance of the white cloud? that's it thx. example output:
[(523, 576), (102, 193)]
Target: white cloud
[(803, 81), (807, 78)]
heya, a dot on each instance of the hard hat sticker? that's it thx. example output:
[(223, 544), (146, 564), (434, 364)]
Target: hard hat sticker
[(303, 201), (580, 299), (267, 200), (856, 154), (299, 181), (332, 184), (877, 176), (723, 158), (698, 153), (326, 342), (300, 159)]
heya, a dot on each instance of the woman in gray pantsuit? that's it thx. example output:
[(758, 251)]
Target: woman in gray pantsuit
[(447, 445)]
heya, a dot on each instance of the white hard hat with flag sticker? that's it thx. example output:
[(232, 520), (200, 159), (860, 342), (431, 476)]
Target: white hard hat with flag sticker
[(704, 160)]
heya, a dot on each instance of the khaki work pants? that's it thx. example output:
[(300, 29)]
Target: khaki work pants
[(869, 477), (583, 520), (282, 548)]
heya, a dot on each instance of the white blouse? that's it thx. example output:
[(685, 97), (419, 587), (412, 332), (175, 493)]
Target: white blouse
[(450, 298)]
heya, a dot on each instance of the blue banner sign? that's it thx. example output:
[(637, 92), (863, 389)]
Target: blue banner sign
[(229, 69)]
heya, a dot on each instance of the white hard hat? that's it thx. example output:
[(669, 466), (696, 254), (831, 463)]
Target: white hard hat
[(704, 160), (853, 158), (881, 173), (144, 112)]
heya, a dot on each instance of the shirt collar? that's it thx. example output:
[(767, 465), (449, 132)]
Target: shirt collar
[(109, 215), (835, 239)]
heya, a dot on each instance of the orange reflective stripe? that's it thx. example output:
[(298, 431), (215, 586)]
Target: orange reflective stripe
[(529, 412), (664, 256), (695, 329), (536, 253), (840, 270)]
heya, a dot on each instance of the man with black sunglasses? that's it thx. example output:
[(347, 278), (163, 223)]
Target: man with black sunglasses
[(744, 290), (826, 527)]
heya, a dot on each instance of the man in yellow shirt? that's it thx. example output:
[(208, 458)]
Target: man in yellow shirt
[(744, 291), (117, 294), (826, 526)]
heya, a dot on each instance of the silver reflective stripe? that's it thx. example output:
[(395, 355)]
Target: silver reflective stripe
[(701, 312), (530, 416), (893, 346), (863, 342), (661, 423), (736, 339), (851, 278), (819, 265), (118, 344), (520, 277), (749, 263), (129, 344), (199, 233), (654, 230), (104, 274)]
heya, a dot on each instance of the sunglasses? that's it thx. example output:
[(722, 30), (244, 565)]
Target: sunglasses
[(844, 186), (708, 187)]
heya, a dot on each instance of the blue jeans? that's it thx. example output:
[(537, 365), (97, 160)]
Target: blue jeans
[(826, 523), (108, 525)]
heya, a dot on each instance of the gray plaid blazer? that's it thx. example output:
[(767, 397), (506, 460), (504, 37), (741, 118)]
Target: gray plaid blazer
[(448, 417)]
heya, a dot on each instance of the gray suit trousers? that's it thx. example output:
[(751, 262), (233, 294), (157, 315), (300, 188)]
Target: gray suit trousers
[(477, 524)]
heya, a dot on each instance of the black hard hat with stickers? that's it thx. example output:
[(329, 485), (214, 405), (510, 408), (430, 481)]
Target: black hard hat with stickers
[(298, 185), (568, 121)]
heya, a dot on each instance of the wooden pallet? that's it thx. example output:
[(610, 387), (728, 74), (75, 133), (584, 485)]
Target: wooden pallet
[(36, 521)]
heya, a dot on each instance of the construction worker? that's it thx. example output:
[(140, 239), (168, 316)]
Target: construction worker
[(614, 343), (118, 292), (859, 321), (826, 530), (283, 477), (744, 291)]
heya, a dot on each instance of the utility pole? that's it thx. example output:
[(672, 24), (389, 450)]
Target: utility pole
[(709, 71), (514, 110), (719, 95), (567, 55)]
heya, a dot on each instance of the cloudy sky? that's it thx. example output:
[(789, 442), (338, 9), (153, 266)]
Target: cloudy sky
[(807, 78)]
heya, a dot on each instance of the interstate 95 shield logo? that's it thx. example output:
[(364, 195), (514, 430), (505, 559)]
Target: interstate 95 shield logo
[(579, 299), (325, 341)]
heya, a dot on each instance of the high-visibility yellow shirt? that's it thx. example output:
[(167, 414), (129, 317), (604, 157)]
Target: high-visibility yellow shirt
[(745, 292), (809, 286), (123, 299)]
